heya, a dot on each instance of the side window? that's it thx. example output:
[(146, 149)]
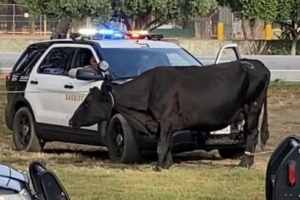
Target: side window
[(57, 61), (28, 59), (83, 58), (177, 60)]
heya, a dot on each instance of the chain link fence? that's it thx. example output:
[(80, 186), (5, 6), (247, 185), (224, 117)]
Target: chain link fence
[(16, 19)]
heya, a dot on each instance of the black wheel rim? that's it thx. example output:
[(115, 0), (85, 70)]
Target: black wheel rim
[(23, 130), (118, 138)]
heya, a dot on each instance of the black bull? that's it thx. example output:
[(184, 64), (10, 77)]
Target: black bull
[(168, 99)]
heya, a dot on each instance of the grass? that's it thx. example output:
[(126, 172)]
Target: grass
[(88, 175)]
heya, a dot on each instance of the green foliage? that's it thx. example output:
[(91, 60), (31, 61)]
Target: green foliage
[(289, 11), (162, 10), (168, 8), (234, 5), (266, 10), (165, 9)]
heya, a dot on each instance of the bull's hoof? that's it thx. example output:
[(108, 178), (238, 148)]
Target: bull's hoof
[(247, 161), (263, 147), (157, 169), (167, 164)]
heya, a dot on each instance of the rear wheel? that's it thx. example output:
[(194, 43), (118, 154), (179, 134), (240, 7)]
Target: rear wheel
[(121, 142), (232, 153), (24, 135)]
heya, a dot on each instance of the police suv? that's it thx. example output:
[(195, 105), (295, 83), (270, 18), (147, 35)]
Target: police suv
[(46, 96)]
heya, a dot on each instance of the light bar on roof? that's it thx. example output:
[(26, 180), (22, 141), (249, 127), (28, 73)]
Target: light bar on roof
[(104, 33)]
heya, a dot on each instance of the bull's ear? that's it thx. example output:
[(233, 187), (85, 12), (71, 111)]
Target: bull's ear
[(94, 89)]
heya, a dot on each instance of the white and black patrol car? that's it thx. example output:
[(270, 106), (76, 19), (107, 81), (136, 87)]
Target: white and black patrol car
[(48, 97)]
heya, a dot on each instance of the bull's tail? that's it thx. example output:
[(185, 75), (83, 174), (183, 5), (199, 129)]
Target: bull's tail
[(264, 129)]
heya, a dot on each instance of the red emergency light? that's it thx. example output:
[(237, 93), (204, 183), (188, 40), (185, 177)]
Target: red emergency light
[(142, 34), (292, 173)]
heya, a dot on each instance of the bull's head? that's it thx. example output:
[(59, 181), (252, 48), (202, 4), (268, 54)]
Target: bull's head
[(95, 108)]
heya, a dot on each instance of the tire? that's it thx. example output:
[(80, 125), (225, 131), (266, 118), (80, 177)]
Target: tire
[(31, 143), (122, 150), (232, 153)]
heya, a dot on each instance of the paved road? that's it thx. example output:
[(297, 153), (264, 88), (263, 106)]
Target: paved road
[(7, 60), (284, 67), (275, 62)]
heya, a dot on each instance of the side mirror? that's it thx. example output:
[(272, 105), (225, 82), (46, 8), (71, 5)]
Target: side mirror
[(103, 65), (52, 187), (86, 74), (35, 170)]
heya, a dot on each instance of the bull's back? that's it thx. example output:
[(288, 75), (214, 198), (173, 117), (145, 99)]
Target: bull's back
[(259, 76), (211, 95)]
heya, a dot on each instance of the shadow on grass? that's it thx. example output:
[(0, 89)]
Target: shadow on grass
[(101, 158)]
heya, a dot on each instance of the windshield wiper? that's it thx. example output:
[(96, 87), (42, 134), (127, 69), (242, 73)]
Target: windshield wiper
[(122, 78)]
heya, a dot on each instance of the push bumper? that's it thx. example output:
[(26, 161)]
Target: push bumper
[(191, 140)]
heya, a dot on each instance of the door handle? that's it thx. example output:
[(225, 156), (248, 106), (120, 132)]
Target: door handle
[(69, 86), (34, 82)]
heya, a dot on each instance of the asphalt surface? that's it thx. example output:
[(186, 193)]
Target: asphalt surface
[(8, 60), (276, 62), (283, 67)]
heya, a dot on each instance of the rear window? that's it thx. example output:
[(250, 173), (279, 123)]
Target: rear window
[(28, 59)]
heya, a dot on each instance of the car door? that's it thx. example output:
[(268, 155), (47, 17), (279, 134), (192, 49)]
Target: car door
[(76, 90), (223, 48), (44, 84)]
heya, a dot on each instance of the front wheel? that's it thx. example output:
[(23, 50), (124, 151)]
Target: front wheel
[(121, 142), (24, 135), (232, 153)]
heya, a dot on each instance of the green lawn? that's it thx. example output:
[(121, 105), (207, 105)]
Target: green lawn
[(92, 177)]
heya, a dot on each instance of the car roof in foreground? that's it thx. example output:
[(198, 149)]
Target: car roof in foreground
[(135, 44), (121, 43)]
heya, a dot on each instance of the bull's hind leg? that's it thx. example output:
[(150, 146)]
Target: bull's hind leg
[(252, 119)]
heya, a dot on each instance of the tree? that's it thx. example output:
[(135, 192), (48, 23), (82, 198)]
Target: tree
[(289, 19), (254, 14), (150, 14), (141, 14)]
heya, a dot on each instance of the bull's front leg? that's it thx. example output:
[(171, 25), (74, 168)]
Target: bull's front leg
[(169, 159), (162, 148)]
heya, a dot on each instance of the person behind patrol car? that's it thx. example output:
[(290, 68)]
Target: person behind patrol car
[(93, 64)]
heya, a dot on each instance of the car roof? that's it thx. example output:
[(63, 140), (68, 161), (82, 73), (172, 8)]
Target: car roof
[(120, 43), (135, 44)]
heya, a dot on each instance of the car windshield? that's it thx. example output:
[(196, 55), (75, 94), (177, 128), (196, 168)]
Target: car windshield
[(131, 62)]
